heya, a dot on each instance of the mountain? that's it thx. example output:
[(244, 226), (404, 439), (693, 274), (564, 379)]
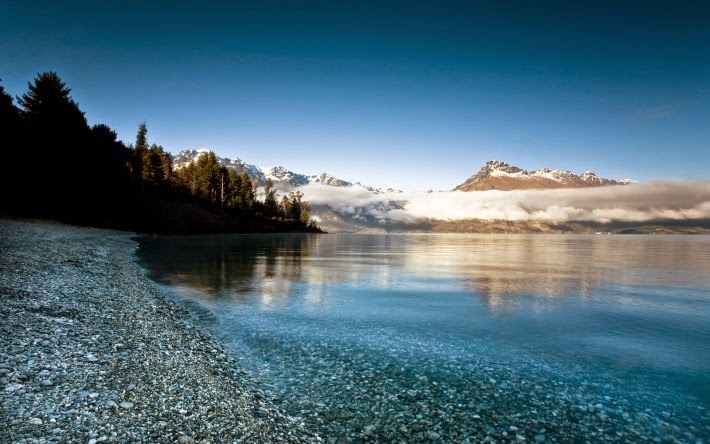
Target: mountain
[(540, 207), (327, 179), (496, 175), (281, 176), (186, 157)]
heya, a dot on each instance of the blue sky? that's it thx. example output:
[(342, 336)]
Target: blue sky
[(414, 95)]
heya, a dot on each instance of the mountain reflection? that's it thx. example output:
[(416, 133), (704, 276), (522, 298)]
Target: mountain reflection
[(505, 272)]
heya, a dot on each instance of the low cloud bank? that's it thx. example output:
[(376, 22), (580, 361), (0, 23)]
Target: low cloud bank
[(629, 203)]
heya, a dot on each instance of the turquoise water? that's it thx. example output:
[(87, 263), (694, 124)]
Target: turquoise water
[(547, 338)]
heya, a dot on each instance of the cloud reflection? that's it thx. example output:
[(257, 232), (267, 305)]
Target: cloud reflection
[(505, 272)]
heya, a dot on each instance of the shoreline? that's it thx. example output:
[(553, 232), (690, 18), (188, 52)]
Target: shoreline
[(92, 352)]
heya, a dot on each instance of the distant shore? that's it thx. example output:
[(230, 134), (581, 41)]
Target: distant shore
[(91, 352)]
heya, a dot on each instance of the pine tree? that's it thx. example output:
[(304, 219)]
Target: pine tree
[(48, 105), (142, 137), (57, 133), (285, 206), (271, 207), (208, 177), (9, 114), (11, 134), (234, 186), (140, 153), (305, 216), (10, 123), (158, 165), (246, 193)]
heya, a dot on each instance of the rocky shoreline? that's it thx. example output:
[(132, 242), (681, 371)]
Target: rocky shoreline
[(91, 352)]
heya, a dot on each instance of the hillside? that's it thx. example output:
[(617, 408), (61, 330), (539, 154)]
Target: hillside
[(497, 175)]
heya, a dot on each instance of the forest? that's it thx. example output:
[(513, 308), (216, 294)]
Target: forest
[(59, 167)]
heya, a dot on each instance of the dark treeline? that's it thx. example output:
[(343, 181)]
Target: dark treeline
[(58, 166)]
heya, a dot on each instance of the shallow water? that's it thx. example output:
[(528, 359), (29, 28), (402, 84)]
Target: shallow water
[(456, 337)]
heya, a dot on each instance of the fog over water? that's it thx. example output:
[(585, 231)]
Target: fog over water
[(679, 200)]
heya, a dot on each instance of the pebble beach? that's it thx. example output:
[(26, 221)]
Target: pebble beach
[(91, 352)]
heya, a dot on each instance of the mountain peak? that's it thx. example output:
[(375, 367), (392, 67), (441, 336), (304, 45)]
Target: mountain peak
[(498, 175), (497, 167), (280, 175), (327, 179)]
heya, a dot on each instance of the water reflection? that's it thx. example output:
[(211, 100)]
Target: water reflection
[(506, 272), (472, 332), (220, 266)]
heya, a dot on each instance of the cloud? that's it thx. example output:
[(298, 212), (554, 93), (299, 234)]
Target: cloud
[(629, 203)]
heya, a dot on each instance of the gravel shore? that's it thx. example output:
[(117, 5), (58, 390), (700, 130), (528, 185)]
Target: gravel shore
[(91, 352)]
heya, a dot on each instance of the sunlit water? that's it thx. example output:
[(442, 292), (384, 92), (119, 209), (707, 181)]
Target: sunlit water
[(456, 337)]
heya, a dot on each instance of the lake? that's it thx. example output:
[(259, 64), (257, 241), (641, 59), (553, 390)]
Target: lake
[(449, 338)]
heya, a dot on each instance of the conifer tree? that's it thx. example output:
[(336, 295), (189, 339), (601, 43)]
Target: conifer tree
[(9, 114), (158, 165), (246, 193), (142, 137), (295, 207), (208, 177), (58, 134), (11, 132), (86, 175), (48, 105), (10, 123), (234, 186), (140, 153), (270, 204)]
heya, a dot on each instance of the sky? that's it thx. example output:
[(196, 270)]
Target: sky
[(405, 94)]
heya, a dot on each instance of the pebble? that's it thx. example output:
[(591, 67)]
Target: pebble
[(88, 327), (115, 337), (13, 387)]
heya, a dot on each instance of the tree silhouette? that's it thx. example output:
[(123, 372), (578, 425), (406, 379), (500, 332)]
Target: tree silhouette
[(85, 175), (9, 114), (11, 132), (271, 206), (57, 144), (140, 152), (48, 105)]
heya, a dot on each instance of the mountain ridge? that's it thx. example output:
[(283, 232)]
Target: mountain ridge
[(498, 175), (494, 175), (280, 175), (539, 206)]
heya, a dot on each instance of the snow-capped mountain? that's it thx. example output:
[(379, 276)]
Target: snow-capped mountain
[(497, 175), (327, 179), (186, 157), (339, 205), (281, 176)]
